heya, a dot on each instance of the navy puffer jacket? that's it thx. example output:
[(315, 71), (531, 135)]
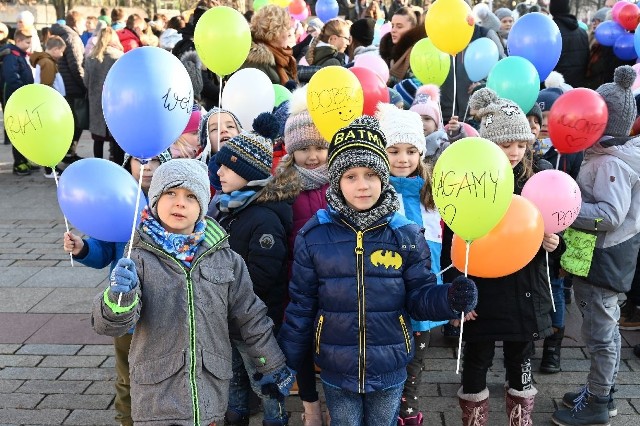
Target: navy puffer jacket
[(352, 293)]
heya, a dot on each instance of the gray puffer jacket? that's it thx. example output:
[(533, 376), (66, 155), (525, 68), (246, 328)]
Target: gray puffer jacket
[(180, 356)]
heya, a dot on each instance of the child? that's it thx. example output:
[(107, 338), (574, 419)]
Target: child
[(255, 210), (514, 308), (16, 73), (411, 180), (188, 144), (194, 288), (609, 180), (306, 164), (211, 140), (360, 270), (98, 254)]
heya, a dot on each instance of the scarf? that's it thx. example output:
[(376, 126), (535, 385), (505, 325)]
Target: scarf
[(237, 200), (313, 178), (182, 247), (387, 203), (285, 62), (400, 67)]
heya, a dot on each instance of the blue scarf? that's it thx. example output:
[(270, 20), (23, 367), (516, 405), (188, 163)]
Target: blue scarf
[(182, 247), (235, 200)]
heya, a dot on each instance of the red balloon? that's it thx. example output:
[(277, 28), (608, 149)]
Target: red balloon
[(296, 7), (615, 10), (628, 16), (577, 120), (373, 88)]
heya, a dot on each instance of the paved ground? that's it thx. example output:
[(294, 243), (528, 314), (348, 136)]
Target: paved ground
[(54, 370)]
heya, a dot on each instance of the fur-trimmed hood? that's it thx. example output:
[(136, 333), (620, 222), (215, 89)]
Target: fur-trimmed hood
[(260, 54), (390, 52), (286, 186)]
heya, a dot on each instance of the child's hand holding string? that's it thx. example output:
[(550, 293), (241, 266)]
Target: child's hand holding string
[(550, 242)]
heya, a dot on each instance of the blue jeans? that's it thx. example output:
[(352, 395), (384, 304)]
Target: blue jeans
[(242, 382), (557, 317), (348, 408), (600, 315)]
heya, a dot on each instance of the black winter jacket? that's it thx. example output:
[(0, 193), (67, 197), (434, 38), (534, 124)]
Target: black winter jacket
[(575, 51), (70, 65)]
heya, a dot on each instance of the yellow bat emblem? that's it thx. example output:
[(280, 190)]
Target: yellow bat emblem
[(387, 258)]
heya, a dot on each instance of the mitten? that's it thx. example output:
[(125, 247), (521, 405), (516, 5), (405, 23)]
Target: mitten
[(123, 281), (462, 295), (277, 383)]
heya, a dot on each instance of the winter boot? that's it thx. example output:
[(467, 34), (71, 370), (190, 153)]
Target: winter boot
[(520, 406), (589, 410), (551, 352), (569, 400), (475, 407), (312, 415), (410, 421), (234, 418)]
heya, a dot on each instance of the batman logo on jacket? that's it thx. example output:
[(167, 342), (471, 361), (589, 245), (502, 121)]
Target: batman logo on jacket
[(386, 258)]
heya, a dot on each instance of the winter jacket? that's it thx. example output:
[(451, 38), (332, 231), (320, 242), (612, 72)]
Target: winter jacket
[(304, 207), (352, 293), (70, 65), (128, 39), (574, 57), (397, 55), (16, 71), (609, 180), (569, 163), (180, 356), (95, 74), (325, 55), (260, 57), (602, 64), (48, 66)]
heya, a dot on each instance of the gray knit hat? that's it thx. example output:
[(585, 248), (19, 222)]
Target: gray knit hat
[(601, 14), (193, 65), (502, 13), (502, 120), (620, 101), (181, 173)]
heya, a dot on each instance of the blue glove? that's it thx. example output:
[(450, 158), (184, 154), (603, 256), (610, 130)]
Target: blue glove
[(123, 278), (276, 384), (462, 295)]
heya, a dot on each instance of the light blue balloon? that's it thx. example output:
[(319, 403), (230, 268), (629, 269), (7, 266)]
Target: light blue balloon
[(636, 39), (515, 78), (99, 197), (583, 26), (479, 57)]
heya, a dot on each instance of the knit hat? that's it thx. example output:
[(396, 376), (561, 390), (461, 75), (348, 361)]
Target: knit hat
[(407, 89), (601, 14), (163, 157), (536, 112), (181, 173), (194, 121), (203, 131), (299, 131), (427, 102), (547, 97), (502, 13), (555, 79), (487, 18), (394, 97), (362, 31), (250, 154), (502, 120), (620, 101), (26, 17), (315, 24), (559, 7), (400, 126), (193, 65)]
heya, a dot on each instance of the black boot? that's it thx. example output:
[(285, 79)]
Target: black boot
[(233, 418), (551, 352)]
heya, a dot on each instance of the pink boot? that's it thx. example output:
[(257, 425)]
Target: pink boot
[(475, 407), (520, 406)]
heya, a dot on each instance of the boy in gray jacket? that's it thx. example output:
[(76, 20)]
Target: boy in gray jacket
[(181, 287)]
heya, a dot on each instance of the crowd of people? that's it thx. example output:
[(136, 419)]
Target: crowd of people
[(268, 254)]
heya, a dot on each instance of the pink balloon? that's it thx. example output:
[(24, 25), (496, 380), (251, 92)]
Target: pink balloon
[(636, 83), (385, 28), (375, 63), (557, 196), (468, 129), (615, 10), (300, 16)]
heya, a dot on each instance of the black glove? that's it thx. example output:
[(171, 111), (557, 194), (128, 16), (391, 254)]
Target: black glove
[(462, 295)]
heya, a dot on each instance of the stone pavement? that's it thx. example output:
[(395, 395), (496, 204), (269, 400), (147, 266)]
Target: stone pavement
[(54, 370)]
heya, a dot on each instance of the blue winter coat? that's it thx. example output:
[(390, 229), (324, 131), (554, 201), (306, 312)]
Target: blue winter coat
[(16, 71), (352, 293)]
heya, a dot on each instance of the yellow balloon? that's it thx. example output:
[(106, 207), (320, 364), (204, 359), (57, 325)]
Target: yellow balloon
[(223, 39), (335, 98), (39, 123), (281, 3), (449, 24)]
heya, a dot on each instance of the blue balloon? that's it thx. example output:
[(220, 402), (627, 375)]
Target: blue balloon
[(624, 47), (326, 9), (147, 101), (479, 57), (98, 197), (607, 32), (636, 39), (537, 38)]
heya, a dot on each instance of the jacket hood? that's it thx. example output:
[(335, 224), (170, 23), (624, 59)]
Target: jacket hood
[(260, 54), (568, 21), (35, 57), (62, 30), (626, 149), (364, 49), (323, 53)]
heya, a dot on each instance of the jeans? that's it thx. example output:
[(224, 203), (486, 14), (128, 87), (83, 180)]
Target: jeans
[(600, 315), (348, 408), (242, 382), (557, 317)]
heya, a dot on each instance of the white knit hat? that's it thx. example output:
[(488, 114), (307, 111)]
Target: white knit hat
[(399, 126)]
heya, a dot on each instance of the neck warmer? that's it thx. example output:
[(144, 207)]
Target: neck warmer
[(313, 178), (387, 203)]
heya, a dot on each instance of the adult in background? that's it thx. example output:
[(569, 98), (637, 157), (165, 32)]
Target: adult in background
[(25, 21), (575, 44), (396, 45), (131, 36)]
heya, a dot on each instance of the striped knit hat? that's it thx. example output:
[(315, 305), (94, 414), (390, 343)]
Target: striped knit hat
[(299, 130)]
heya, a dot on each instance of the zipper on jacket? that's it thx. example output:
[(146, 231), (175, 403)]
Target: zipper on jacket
[(407, 339), (318, 332)]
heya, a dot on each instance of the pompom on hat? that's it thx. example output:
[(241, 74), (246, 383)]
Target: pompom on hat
[(620, 101), (502, 120)]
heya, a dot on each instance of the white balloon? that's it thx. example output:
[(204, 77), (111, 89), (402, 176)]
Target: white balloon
[(248, 93)]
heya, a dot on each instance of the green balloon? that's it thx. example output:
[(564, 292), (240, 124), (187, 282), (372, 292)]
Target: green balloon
[(429, 65), (515, 78), (472, 187), (259, 4), (282, 94)]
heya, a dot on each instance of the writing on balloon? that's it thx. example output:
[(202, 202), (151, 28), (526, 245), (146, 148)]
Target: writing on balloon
[(448, 213), (566, 217), (21, 123), (472, 184), (581, 125), (332, 98), (173, 100)]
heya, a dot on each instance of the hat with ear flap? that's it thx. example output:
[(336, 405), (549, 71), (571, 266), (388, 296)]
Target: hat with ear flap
[(502, 120)]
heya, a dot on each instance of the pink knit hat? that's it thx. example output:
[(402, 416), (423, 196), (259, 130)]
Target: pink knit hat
[(427, 102), (299, 130), (194, 120)]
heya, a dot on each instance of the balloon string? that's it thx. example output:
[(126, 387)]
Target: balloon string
[(553, 303), (220, 105), (135, 213), (558, 162), (444, 270), (466, 270), (66, 222), (453, 107)]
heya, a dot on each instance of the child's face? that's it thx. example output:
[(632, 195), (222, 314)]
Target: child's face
[(56, 53), (361, 188), (535, 125), (228, 129), (310, 157), (230, 180), (178, 210), (514, 150), (404, 159), (24, 44), (149, 168), (506, 23), (544, 130), (428, 125)]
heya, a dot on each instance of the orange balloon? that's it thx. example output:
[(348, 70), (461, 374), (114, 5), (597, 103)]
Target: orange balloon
[(508, 247)]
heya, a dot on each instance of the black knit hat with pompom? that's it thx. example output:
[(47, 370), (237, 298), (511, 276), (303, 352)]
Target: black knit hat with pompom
[(502, 120), (620, 101)]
